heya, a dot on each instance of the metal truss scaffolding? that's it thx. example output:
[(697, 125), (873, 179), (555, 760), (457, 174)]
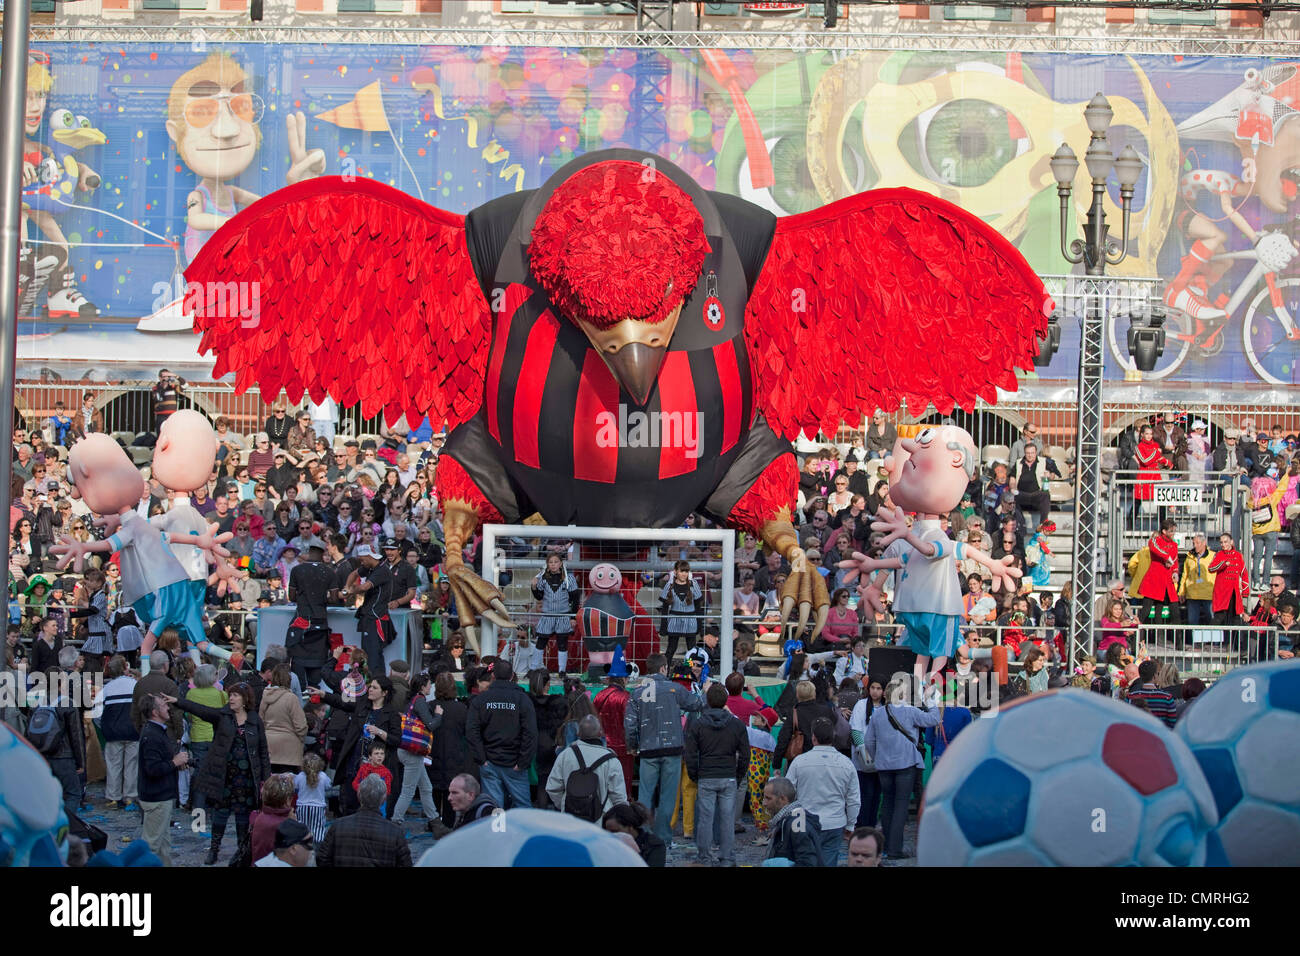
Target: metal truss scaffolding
[(1087, 478), (907, 37), (654, 18)]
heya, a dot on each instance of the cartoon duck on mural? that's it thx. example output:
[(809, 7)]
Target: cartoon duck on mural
[(51, 174)]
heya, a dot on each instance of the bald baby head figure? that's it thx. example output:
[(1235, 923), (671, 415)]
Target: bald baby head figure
[(103, 476), (928, 474)]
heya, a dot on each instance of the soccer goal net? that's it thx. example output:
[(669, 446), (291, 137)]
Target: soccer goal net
[(516, 555)]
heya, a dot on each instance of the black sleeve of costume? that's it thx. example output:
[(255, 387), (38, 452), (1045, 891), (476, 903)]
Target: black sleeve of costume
[(487, 229), (762, 447), (575, 596), (691, 753), (422, 710), (752, 228), (76, 737)]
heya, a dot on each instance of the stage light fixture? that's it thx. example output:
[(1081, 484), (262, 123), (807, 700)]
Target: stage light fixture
[(1146, 339)]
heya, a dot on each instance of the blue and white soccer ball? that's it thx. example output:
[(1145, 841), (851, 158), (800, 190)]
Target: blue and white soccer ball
[(1245, 733), (33, 825), (528, 837), (1067, 778)]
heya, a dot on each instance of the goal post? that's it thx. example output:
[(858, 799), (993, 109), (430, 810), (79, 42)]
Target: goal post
[(661, 547)]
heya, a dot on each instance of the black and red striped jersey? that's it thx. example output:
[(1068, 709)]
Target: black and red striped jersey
[(606, 616), (575, 445)]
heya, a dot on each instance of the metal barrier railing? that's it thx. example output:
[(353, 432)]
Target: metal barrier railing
[(1205, 651), (1210, 502), (128, 406), (1208, 651)]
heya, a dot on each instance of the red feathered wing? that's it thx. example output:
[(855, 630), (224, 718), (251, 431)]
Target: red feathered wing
[(887, 297), (363, 292)]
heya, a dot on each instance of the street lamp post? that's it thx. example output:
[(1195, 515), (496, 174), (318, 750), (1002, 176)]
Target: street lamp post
[(1095, 251)]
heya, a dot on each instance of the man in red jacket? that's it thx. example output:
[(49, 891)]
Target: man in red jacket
[(1158, 586), (1230, 584), (610, 705)]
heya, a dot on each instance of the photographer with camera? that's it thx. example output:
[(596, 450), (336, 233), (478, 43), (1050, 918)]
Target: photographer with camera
[(166, 397)]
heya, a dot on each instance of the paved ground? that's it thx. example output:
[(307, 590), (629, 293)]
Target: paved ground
[(190, 841)]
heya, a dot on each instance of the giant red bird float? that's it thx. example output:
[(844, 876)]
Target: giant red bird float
[(620, 347)]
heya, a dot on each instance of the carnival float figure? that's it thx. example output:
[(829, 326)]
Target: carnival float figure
[(928, 475), (154, 583), (606, 620), (620, 347)]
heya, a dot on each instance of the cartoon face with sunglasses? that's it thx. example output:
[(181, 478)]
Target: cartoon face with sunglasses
[(212, 117)]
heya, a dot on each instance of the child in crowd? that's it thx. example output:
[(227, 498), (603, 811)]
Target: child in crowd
[(375, 765), (311, 785)]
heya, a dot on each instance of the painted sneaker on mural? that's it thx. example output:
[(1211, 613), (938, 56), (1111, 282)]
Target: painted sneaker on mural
[(40, 274), (170, 318), (69, 303), (1185, 300)]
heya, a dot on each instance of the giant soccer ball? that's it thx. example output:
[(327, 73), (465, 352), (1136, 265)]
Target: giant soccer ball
[(1069, 778), (1245, 733), (531, 838), (33, 826)]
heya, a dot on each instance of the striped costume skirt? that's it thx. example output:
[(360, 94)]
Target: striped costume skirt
[(312, 816)]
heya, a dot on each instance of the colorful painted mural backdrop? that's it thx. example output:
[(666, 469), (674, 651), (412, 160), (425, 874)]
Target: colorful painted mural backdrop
[(137, 153)]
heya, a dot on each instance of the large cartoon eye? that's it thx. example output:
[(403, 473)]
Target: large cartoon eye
[(963, 142), (62, 119), (794, 191), (84, 122), (926, 436)]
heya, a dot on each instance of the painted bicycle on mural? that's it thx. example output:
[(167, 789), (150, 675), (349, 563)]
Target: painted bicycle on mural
[(1244, 191), (1266, 297)]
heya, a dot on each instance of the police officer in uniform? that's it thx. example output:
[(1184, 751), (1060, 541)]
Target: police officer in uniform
[(307, 641)]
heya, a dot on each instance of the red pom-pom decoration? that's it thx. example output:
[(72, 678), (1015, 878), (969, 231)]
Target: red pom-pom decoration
[(618, 240)]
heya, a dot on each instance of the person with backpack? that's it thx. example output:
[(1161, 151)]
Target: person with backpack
[(893, 742), (54, 729), (587, 779), (413, 750), (717, 759)]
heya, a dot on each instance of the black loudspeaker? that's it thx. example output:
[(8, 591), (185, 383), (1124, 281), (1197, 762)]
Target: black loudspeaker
[(884, 662)]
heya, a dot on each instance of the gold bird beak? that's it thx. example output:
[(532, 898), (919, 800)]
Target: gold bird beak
[(636, 366)]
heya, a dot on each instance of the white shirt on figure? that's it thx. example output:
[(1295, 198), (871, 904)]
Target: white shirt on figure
[(926, 585)]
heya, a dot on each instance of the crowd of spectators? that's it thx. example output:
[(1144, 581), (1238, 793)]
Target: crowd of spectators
[(323, 761)]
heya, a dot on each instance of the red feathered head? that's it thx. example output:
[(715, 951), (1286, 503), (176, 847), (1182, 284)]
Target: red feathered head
[(618, 240)]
